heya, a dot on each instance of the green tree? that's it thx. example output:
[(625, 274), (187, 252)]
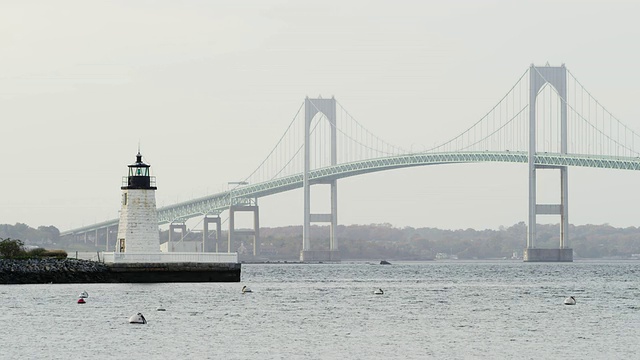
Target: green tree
[(11, 248)]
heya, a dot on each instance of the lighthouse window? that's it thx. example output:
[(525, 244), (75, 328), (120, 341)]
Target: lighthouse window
[(124, 199)]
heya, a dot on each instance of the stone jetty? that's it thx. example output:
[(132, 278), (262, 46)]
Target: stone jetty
[(74, 271), (45, 271)]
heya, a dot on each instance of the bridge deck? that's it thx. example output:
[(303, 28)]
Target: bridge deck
[(216, 203)]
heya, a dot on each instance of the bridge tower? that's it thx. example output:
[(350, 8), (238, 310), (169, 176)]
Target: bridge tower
[(556, 77), (312, 108), (138, 226)]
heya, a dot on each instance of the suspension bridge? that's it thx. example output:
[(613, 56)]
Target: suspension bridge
[(547, 120)]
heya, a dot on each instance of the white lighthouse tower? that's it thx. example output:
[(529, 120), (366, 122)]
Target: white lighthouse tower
[(138, 226)]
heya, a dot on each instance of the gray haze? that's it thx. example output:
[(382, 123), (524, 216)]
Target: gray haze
[(208, 87)]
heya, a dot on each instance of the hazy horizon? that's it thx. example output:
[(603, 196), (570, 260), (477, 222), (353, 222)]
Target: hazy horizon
[(207, 88)]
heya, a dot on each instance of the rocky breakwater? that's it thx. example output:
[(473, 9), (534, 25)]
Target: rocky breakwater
[(45, 271)]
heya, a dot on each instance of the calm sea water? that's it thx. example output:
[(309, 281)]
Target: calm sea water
[(439, 310)]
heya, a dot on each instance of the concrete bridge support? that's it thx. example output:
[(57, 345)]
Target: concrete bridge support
[(207, 244), (172, 230), (312, 108), (106, 239), (556, 77), (256, 226)]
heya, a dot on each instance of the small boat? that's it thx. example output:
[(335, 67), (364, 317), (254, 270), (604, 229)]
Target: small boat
[(245, 289), (161, 309), (137, 319), (378, 292), (570, 301), (385, 262), (84, 295), (81, 301)]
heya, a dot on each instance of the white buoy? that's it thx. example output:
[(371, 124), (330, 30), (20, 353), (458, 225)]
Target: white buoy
[(137, 319), (378, 292), (570, 301), (83, 295), (245, 289)]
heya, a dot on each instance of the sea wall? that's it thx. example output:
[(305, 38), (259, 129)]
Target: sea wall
[(74, 271)]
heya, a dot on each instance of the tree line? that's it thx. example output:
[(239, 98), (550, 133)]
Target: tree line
[(384, 241)]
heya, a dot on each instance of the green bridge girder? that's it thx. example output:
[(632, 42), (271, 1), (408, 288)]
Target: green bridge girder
[(217, 203)]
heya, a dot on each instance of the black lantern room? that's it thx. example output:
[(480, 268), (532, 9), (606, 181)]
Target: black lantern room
[(138, 177)]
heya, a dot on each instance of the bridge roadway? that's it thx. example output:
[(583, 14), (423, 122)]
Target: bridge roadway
[(216, 203)]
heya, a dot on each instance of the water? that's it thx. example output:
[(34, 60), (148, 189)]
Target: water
[(440, 310)]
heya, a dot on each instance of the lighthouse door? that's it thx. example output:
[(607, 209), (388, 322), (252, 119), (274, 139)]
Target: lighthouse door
[(121, 245)]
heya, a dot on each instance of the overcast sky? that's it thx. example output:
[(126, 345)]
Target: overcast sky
[(208, 87)]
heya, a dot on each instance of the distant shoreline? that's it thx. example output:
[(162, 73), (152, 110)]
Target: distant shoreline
[(400, 262)]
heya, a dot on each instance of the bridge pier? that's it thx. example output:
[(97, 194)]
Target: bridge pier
[(206, 244), (556, 77), (548, 255), (107, 239), (256, 226), (333, 254), (172, 229)]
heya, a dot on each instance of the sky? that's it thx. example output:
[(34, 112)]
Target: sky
[(206, 88)]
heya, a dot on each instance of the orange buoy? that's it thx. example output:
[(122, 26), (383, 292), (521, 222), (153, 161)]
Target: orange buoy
[(81, 301)]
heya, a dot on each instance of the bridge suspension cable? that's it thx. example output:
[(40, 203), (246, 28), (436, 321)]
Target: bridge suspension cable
[(593, 130), (354, 142), (507, 116)]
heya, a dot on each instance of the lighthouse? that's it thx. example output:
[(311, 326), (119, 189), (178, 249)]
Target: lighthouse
[(138, 226)]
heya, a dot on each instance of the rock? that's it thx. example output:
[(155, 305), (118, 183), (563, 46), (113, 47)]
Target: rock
[(44, 271)]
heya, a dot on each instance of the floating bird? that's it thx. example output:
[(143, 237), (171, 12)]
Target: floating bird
[(570, 301), (378, 292), (137, 319), (245, 289)]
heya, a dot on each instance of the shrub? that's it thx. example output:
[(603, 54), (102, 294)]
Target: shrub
[(37, 252), (14, 249), (11, 249), (58, 254)]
